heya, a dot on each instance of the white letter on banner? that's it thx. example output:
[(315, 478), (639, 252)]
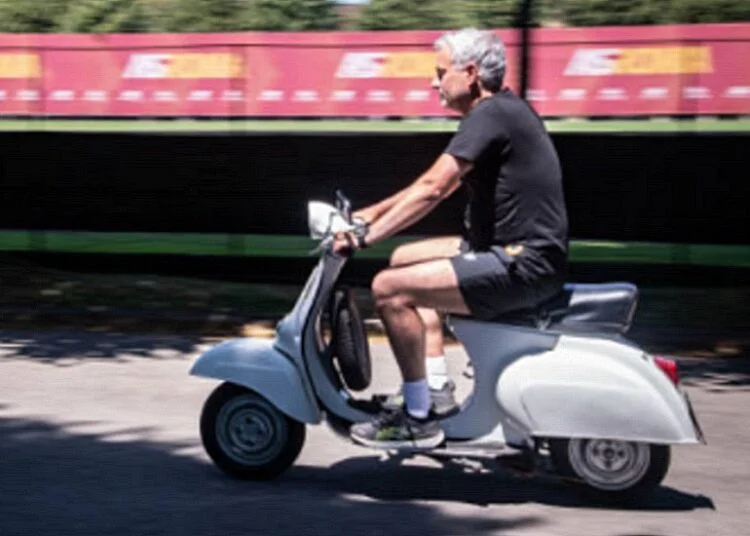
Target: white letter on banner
[(146, 66), (738, 92), (417, 95), (95, 96), (592, 62), (361, 65), (654, 93), (27, 95), (343, 95), (63, 95), (271, 95), (696, 92)]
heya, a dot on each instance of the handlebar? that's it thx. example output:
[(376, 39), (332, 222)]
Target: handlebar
[(344, 205)]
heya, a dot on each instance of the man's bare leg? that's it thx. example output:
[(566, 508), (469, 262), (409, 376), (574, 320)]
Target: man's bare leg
[(434, 347), (398, 293), (436, 363)]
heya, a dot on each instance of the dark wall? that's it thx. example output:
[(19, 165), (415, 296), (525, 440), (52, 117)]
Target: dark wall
[(691, 188)]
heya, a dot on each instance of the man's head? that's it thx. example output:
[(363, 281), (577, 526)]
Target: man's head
[(469, 64)]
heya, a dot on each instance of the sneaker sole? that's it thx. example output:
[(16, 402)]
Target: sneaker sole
[(445, 413), (426, 443)]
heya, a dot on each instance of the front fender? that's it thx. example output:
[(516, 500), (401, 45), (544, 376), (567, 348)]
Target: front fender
[(257, 365)]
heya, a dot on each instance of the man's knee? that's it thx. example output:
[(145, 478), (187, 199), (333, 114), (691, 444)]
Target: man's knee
[(388, 290)]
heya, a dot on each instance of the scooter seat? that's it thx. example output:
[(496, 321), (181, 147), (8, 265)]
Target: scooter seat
[(583, 308)]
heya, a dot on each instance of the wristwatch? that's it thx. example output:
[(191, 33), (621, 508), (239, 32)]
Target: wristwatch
[(360, 232), (361, 242)]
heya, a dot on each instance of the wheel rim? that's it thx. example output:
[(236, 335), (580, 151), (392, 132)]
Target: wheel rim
[(609, 465), (250, 430)]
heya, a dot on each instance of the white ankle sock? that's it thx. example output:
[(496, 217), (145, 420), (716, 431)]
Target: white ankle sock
[(417, 398), (437, 371)]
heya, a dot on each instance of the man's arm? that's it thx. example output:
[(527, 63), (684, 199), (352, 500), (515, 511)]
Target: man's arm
[(417, 200), (373, 212)]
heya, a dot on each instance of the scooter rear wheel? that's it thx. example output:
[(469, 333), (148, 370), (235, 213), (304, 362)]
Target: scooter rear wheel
[(248, 437), (618, 471)]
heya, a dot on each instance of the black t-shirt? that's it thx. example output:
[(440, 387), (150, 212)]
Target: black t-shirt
[(515, 187)]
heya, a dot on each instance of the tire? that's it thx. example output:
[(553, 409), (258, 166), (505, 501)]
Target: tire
[(611, 471), (246, 436), (350, 342)]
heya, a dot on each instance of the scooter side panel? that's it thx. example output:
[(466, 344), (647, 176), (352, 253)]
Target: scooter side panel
[(492, 347), (595, 388), (257, 365)]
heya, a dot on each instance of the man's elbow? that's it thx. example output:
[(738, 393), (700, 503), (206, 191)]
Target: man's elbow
[(435, 191)]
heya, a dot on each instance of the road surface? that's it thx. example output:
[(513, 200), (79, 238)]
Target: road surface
[(99, 436)]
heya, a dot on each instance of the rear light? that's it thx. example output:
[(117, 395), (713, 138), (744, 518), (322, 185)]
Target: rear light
[(669, 367)]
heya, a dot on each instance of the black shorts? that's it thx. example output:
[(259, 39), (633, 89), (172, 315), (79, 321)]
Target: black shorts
[(494, 283)]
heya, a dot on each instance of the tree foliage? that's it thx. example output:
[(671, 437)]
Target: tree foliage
[(291, 15), (105, 16), (412, 15), (491, 13), (100, 16), (32, 16), (205, 16), (635, 12), (614, 12), (696, 11)]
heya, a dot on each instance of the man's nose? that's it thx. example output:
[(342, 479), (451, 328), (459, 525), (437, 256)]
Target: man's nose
[(435, 82)]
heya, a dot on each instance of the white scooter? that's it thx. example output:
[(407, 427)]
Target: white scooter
[(558, 388)]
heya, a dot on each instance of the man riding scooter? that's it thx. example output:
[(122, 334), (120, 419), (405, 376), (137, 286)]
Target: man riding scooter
[(514, 251)]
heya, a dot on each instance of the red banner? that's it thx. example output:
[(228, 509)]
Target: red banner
[(624, 71)]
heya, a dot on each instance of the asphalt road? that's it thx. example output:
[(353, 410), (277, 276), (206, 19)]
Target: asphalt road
[(99, 436)]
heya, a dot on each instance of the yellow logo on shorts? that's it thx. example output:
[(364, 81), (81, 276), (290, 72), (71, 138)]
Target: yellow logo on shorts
[(513, 249)]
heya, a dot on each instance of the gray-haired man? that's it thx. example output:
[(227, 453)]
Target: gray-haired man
[(513, 254)]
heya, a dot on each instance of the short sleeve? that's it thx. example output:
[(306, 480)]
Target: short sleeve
[(476, 133)]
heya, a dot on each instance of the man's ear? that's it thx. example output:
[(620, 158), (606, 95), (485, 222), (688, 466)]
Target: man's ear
[(472, 71)]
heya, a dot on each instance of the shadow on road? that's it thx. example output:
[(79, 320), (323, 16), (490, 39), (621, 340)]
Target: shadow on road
[(127, 483), (60, 347), (94, 484), (389, 481)]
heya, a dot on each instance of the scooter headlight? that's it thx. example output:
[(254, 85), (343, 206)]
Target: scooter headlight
[(325, 220)]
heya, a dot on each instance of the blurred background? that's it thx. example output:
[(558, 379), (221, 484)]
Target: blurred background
[(115, 16), (158, 155)]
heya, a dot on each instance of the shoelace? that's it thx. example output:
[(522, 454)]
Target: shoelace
[(388, 416)]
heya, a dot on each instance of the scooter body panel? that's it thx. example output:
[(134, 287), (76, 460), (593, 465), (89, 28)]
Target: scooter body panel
[(258, 365), (534, 383), (595, 388), (491, 348)]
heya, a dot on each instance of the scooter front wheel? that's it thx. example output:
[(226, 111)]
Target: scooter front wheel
[(619, 471), (248, 437)]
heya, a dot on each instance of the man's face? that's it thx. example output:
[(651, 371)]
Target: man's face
[(453, 83)]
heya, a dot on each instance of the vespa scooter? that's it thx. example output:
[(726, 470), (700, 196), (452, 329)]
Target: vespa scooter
[(559, 385)]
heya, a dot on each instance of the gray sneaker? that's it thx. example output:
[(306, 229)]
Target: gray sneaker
[(443, 402), (396, 429)]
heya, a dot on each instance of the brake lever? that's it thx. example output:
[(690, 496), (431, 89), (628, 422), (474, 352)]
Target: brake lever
[(323, 244)]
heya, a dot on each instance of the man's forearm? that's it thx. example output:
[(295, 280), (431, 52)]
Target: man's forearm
[(408, 206), (412, 205), (374, 212)]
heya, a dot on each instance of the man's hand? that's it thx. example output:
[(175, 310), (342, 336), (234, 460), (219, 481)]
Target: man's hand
[(364, 215), (344, 243)]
